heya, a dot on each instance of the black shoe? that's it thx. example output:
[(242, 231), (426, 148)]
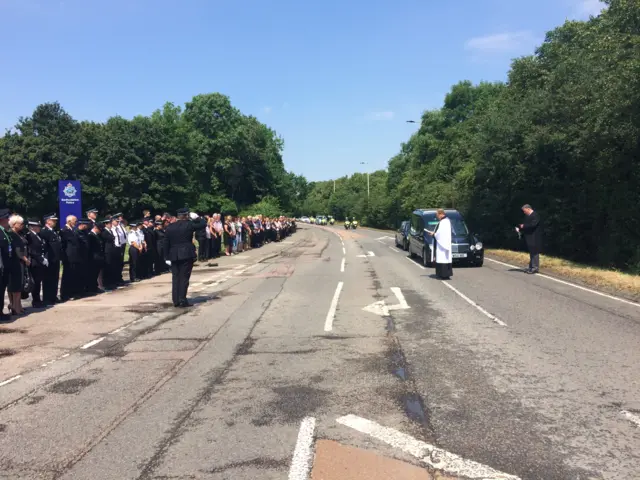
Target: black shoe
[(37, 304), (184, 304)]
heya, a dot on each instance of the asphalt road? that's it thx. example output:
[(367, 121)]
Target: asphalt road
[(321, 357)]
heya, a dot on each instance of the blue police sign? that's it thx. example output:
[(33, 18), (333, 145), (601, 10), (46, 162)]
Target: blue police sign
[(69, 199)]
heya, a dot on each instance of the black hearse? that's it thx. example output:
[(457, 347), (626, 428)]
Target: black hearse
[(467, 248)]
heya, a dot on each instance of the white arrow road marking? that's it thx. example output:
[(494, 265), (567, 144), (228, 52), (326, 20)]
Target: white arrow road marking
[(635, 419), (382, 309), (429, 454), (386, 236), (303, 453), (369, 254)]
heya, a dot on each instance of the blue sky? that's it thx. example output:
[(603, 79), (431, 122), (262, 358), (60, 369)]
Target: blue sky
[(336, 78)]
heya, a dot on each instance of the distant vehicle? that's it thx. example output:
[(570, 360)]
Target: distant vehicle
[(347, 224), (354, 224), (331, 220), (402, 235), (305, 220), (466, 247)]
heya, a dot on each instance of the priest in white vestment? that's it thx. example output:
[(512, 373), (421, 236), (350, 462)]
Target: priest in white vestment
[(442, 236)]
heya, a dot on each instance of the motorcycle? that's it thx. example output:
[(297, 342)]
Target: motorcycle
[(354, 224), (347, 225)]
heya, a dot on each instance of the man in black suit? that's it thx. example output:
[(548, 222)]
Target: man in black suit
[(96, 258), (53, 248), (149, 257), (111, 255), (180, 253), (160, 266), (37, 248), (533, 236), (5, 258)]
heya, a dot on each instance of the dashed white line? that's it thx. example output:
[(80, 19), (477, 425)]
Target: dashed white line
[(303, 453), (416, 264), (12, 379), (395, 249), (92, 343), (117, 330), (65, 355), (342, 264), (611, 297), (429, 454), (471, 302), (328, 323), (344, 251), (635, 419)]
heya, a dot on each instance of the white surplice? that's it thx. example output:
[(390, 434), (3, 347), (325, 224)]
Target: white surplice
[(443, 242)]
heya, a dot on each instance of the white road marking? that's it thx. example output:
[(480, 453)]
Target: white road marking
[(303, 453), (344, 250), (117, 330), (342, 264), (416, 264), (195, 284), (368, 254), (328, 323), (65, 355), (430, 455), (92, 343), (398, 293), (12, 379), (611, 297), (471, 302), (386, 236), (395, 249), (635, 419)]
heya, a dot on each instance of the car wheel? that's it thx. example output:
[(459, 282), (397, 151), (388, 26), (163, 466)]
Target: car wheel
[(426, 261), (479, 264)]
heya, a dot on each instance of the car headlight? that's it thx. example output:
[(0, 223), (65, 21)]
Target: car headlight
[(472, 248), (479, 246)]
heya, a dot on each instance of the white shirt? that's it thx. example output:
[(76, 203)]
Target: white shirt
[(132, 237), (443, 241), (122, 235), (116, 237)]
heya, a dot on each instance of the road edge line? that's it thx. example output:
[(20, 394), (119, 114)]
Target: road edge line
[(328, 323), (302, 455)]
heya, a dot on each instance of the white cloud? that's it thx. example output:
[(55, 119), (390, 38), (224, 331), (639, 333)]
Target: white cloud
[(381, 116), (267, 110), (508, 42), (587, 8)]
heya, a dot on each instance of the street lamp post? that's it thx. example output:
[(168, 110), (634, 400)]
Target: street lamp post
[(365, 163)]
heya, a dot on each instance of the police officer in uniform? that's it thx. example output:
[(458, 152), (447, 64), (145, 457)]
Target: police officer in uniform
[(84, 269), (111, 254), (37, 248), (180, 253), (5, 258), (96, 257), (54, 251), (151, 249), (92, 214), (160, 266)]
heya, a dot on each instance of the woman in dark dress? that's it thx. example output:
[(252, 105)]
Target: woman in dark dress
[(229, 236), (19, 263)]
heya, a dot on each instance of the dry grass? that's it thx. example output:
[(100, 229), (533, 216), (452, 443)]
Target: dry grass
[(599, 278)]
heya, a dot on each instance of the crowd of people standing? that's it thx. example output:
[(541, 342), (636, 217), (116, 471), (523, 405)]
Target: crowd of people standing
[(86, 256)]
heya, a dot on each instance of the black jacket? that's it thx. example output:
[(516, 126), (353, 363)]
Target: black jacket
[(532, 231), (37, 248), (96, 247), (70, 245), (159, 237), (178, 240), (83, 244), (5, 241), (150, 239), (52, 244), (111, 252)]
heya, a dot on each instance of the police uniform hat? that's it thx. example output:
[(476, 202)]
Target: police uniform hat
[(5, 213), (50, 216), (91, 210), (116, 215), (159, 222), (85, 221), (182, 211), (134, 223), (34, 223)]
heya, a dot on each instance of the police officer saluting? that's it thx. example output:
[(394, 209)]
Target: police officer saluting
[(180, 253)]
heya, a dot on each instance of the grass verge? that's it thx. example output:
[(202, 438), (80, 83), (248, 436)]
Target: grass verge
[(612, 281)]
